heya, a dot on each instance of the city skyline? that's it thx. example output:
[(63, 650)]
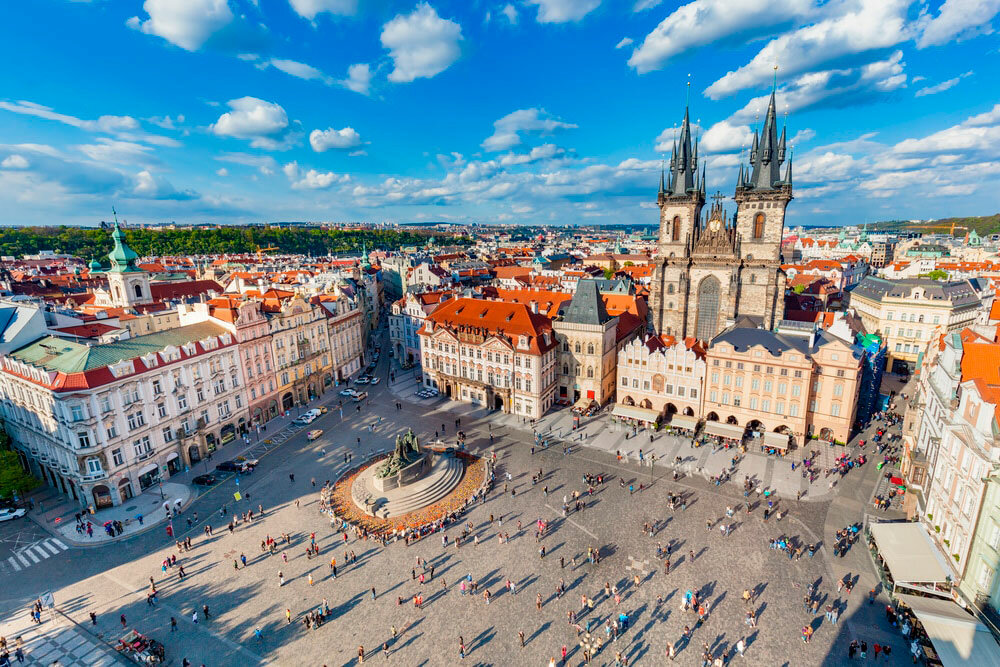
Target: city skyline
[(537, 112)]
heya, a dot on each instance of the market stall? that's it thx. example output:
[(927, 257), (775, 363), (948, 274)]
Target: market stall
[(908, 560), (948, 635)]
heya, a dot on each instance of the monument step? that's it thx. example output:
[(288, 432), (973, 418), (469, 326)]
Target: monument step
[(437, 489)]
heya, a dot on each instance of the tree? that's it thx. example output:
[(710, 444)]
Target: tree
[(608, 274), (13, 477), (799, 289), (938, 274)]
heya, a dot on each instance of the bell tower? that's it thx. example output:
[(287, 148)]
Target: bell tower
[(129, 284), (762, 195), (681, 197)]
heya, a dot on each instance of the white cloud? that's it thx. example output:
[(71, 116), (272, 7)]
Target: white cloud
[(543, 152), (941, 87), (118, 152), (703, 22), (826, 167), (308, 9), (265, 164), (561, 11), (975, 136), (186, 23), (296, 69), (166, 122), (323, 140), (147, 185), (264, 123), (421, 44), (875, 24), (830, 87), (123, 127), (958, 19), (643, 5), (359, 78), (15, 161), (991, 117), (507, 130), (510, 11), (801, 136), (724, 136), (626, 41), (222, 171), (312, 179)]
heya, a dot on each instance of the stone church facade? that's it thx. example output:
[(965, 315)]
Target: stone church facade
[(712, 268)]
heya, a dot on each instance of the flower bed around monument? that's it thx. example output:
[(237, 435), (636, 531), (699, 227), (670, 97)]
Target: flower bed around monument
[(343, 505)]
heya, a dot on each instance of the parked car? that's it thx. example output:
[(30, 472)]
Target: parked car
[(7, 514), (307, 417), (347, 392), (233, 466), (362, 380), (323, 409), (205, 480), (244, 460), (375, 380), (362, 396), (315, 433)]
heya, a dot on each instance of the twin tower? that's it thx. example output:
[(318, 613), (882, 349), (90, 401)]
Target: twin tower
[(711, 268)]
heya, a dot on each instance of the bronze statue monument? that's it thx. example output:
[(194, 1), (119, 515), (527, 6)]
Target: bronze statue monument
[(407, 452)]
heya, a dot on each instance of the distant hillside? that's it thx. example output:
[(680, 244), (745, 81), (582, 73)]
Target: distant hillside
[(983, 224)]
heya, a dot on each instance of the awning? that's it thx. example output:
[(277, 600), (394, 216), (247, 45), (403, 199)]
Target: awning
[(149, 467), (633, 412), (958, 637), (171, 456), (779, 440), (680, 421), (909, 553), (724, 430)]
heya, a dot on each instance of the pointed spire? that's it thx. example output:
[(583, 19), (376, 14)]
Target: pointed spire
[(788, 171), (781, 145), (661, 192), (765, 157), (703, 181)]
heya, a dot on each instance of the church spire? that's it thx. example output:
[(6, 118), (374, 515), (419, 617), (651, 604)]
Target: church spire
[(768, 153), (684, 165), (788, 171)]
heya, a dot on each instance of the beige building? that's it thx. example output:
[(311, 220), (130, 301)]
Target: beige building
[(490, 353), (587, 337), (660, 377), (801, 383), (301, 349), (911, 313)]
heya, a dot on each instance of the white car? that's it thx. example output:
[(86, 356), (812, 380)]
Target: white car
[(308, 417), (375, 380), (7, 514), (348, 392)]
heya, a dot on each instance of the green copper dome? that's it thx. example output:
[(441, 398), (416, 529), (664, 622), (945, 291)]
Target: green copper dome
[(122, 257)]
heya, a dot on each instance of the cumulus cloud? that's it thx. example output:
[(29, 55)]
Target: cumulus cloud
[(312, 179), (15, 161), (825, 167), (978, 136), (643, 5), (147, 185), (118, 152), (958, 19), (421, 44), (324, 140), (874, 25), (562, 11), (359, 78), (507, 131), (264, 123), (626, 41), (703, 22), (801, 136), (308, 9), (222, 171), (510, 11), (166, 122), (724, 136), (186, 23)]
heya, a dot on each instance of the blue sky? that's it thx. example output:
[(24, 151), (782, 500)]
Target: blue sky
[(533, 111)]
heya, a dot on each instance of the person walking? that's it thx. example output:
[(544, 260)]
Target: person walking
[(288, 615), (173, 624), (461, 645), (520, 636), (281, 579), (361, 653)]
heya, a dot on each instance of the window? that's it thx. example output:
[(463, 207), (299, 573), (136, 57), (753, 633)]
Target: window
[(182, 402), (161, 409), (725, 398), (812, 405), (739, 365), (94, 466), (794, 410), (715, 378), (77, 413), (840, 373), (784, 371), (758, 226), (899, 347), (770, 370), (199, 395), (239, 401), (936, 320), (755, 384), (83, 439), (756, 368), (624, 380), (105, 404), (168, 434), (782, 388), (142, 447), (527, 384), (680, 391), (889, 315), (767, 386), (713, 396), (136, 420), (219, 386), (797, 374), (739, 380), (835, 410), (838, 389), (985, 578), (117, 457), (675, 233), (765, 405), (157, 389), (590, 348), (737, 400), (112, 432), (796, 390), (779, 407), (668, 389)]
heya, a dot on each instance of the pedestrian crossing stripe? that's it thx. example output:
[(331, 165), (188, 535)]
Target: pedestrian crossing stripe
[(13, 564), (35, 553), (31, 555)]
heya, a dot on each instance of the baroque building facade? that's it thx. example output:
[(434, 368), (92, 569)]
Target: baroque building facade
[(712, 268)]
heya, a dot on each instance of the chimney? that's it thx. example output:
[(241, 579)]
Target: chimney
[(534, 306)]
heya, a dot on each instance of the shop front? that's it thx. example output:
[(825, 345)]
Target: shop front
[(173, 464), (149, 475)]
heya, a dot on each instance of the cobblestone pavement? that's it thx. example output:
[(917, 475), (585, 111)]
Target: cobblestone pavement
[(241, 599), (56, 640)]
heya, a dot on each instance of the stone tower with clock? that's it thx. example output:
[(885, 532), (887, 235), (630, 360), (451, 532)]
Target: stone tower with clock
[(713, 269)]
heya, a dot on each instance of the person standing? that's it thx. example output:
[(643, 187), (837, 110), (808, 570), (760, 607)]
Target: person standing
[(520, 635), (461, 647), (361, 653)]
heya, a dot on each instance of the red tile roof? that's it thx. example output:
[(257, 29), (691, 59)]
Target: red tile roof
[(496, 318)]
